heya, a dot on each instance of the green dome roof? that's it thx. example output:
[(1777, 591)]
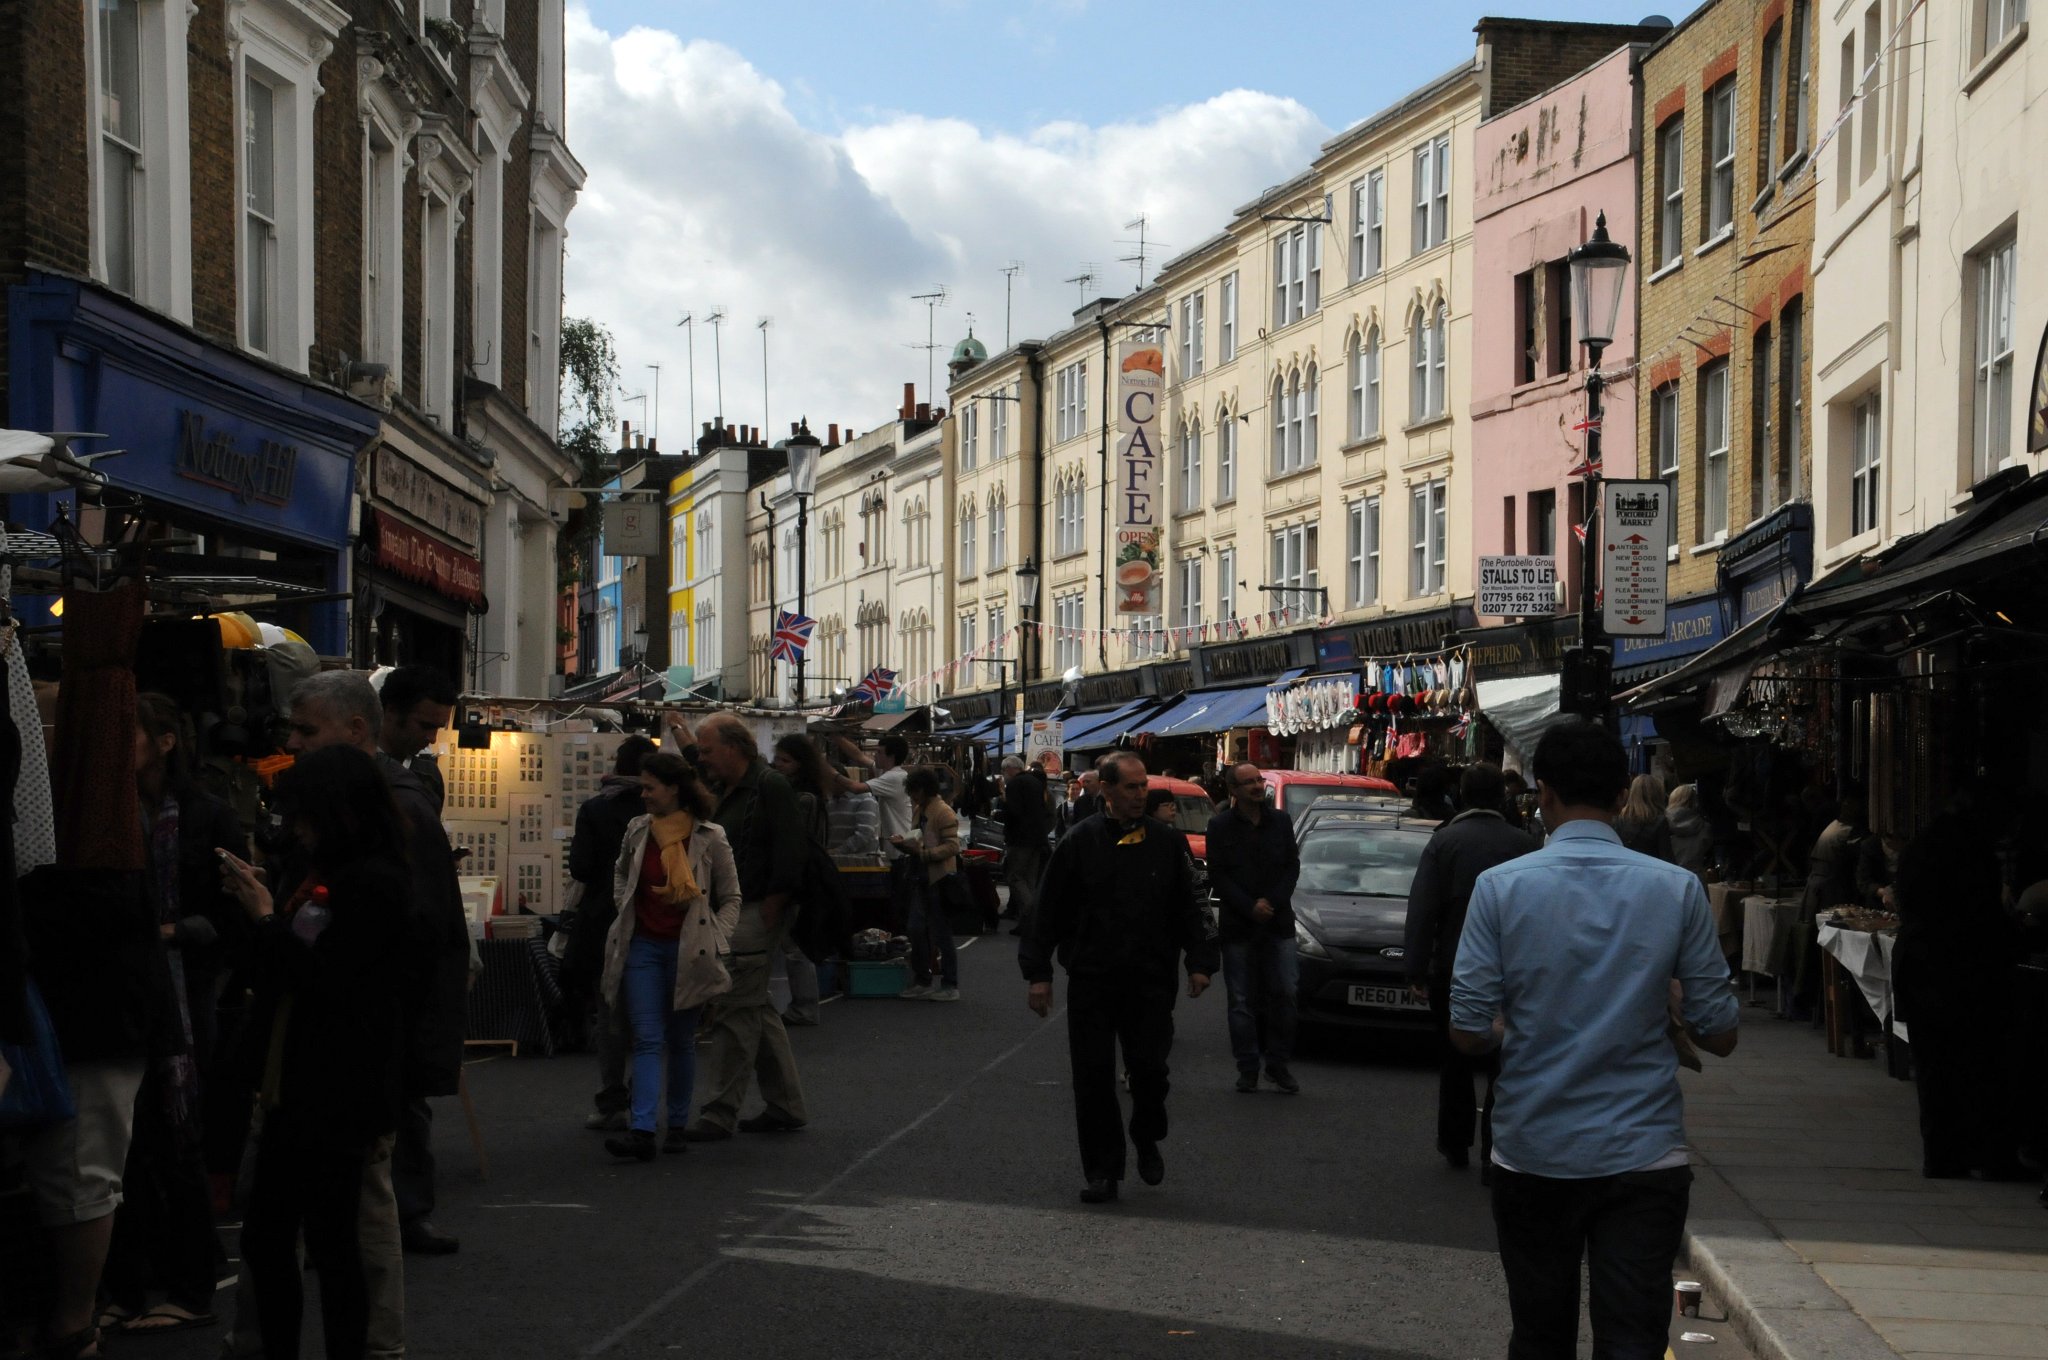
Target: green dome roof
[(969, 351)]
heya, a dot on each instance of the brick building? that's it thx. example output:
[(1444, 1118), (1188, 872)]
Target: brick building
[(1726, 233), (300, 259)]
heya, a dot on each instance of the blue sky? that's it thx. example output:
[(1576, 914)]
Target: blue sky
[(821, 163)]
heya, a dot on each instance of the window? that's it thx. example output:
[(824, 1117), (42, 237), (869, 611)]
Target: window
[(1873, 95), (1226, 455), (1190, 612), (709, 654), (1543, 523), (1226, 583), (487, 267), (1297, 273), (1671, 192), (1068, 648), (1992, 415), (998, 534), (1768, 105), (1992, 23), (1720, 159), (607, 637), (120, 67), (1866, 462), (1762, 422), (999, 405), (1294, 422), (1067, 517), (679, 639), (1311, 401), (1528, 333), (1791, 399), (1798, 81), (1428, 515), (1369, 225), (1664, 433), (706, 566), (970, 433), (1189, 483), (678, 553), (1278, 403), (1145, 636), (1070, 401), (1294, 567), (1845, 141), (1364, 385), (1557, 318), (1191, 335), (1226, 325), (259, 216), (1432, 194), (967, 635), (383, 256), (1427, 338), (998, 631), (1714, 452), (969, 529), (1362, 553), (437, 304)]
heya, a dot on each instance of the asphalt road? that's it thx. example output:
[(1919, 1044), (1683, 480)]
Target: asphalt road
[(930, 1210)]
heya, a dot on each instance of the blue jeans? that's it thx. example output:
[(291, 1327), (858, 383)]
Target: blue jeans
[(1261, 975), (930, 931), (650, 986)]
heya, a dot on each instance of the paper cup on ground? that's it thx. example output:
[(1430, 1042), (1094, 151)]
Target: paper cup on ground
[(1686, 1296)]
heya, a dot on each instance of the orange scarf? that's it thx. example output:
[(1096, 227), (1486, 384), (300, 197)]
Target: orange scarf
[(672, 834)]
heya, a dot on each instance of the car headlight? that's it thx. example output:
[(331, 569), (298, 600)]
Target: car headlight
[(1308, 943)]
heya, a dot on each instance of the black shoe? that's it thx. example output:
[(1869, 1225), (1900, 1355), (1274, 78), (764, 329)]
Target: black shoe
[(1459, 1158), (1098, 1192), (1284, 1079), (677, 1139), (766, 1122), (636, 1145), (705, 1133), (1248, 1081), (1486, 1173), (1151, 1166), (422, 1239)]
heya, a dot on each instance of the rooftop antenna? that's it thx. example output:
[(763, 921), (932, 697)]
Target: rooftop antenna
[(1010, 272), (654, 418), (1085, 279), (690, 337), (932, 302), (716, 320), (762, 326), (1140, 224)]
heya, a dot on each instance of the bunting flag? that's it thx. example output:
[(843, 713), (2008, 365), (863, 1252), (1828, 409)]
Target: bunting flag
[(874, 685), (792, 636), (1589, 468)]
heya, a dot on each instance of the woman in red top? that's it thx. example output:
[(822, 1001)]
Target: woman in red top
[(679, 898)]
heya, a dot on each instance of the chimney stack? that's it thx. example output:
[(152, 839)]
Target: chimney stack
[(909, 400), (924, 410), (833, 430)]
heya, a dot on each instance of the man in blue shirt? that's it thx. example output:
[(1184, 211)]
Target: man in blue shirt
[(1566, 966)]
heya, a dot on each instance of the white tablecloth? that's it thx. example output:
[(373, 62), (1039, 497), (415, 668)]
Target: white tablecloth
[(1761, 919), (1867, 957)]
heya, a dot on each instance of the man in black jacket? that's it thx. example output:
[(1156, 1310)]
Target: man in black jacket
[(593, 854), (1254, 864), (1460, 850), (1026, 821), (1117, 907)]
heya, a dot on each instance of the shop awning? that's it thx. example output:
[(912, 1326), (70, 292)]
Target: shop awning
[(973, 731), (1095, 731), (1216, 710), (889, 722), (1521, 708), (1720, 671), (1986, 539)]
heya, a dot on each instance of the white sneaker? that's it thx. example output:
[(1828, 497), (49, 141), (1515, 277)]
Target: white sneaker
[(916, 991), (944, 994)]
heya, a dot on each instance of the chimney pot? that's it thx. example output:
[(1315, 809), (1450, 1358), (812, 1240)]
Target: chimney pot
[(651, 448), (833, 431), (924, 410), (909, 400)]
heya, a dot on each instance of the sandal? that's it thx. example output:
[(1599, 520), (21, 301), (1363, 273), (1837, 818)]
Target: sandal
[(112, 1316), (166, 1317), (83, 1345)]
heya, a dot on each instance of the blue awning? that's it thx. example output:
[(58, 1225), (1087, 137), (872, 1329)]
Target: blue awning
[(974, 731), (1216, 710), (1085, 731)]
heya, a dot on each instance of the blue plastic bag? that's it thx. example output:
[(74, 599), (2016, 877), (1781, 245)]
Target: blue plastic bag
[(37, 1093)]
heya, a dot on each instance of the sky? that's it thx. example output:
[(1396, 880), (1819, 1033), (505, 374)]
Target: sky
[(820, 164)]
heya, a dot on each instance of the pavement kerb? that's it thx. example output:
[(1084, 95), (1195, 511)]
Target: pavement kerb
[(1777, 1302)]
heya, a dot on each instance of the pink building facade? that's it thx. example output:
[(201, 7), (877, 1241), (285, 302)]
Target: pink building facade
[(1546, 169)]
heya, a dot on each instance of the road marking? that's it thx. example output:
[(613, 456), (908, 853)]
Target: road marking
[(773, 1228), (533, 1204)]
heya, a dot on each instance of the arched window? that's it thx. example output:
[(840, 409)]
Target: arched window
[(1226, 455), (1311, 399), (1427, 378), (1278, 401), (1190, 479)]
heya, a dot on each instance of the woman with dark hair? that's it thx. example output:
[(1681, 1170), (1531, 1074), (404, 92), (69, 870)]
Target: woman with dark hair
[(679, 899), (798, 760), (327, 1021), (934, 843), (163, 1231)]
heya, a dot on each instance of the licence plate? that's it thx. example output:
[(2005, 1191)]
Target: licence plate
[(1387, 998)]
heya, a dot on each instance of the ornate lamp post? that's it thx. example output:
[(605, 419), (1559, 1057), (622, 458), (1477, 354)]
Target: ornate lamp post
[(1599, 268), (803, 449)]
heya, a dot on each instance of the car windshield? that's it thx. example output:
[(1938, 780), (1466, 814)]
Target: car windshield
[(1191, 814), (1296, 797), (1347, 855)]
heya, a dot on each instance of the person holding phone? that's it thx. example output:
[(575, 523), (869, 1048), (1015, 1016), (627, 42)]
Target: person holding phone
[(328, 1040)]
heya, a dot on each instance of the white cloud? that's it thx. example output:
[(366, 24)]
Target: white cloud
[(705, 189)]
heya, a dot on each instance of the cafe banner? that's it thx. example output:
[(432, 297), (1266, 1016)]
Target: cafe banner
[(1140, 386)]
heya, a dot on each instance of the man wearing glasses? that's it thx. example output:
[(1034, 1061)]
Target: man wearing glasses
[(1253, 866), (1118, 908)]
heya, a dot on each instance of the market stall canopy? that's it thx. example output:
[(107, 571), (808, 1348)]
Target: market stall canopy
[(1214, 710), (1720, 672), (1521, 708), (1101, 730), (889, 722)]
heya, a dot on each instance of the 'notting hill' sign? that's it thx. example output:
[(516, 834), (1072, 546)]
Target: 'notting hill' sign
[(263, 474)]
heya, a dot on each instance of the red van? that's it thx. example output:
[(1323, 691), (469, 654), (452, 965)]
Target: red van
[(1293, 790)]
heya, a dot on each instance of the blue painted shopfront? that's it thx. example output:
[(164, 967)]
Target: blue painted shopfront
[(217, 442)]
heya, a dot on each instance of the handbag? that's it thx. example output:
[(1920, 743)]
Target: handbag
[(37, 1093)]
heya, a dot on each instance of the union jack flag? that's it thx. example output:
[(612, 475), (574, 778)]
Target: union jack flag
[(1586, 469), (792, 636), (876, 684)]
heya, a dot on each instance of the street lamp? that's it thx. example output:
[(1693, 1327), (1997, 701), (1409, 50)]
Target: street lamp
[(1599, 267), (1027, 600), (803, 447)]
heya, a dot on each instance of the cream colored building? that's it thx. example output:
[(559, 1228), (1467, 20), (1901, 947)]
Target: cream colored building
[(1929, 216)]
